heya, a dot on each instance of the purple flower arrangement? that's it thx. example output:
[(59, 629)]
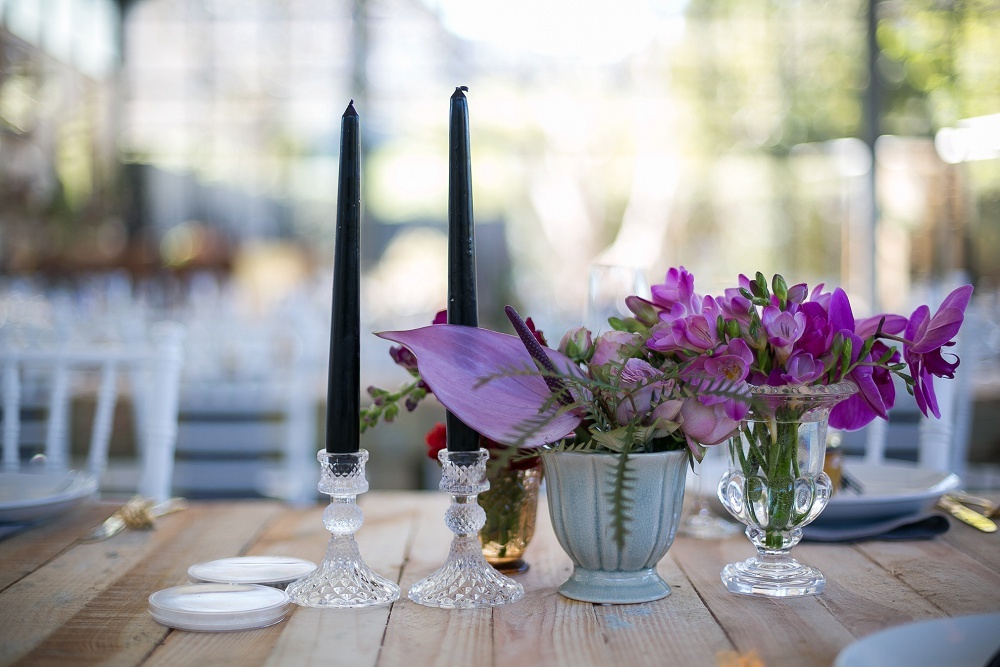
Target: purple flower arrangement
[(679, 372)]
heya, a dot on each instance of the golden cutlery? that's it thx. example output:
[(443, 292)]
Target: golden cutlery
[(987, 506), (966, 515), (138, 512)]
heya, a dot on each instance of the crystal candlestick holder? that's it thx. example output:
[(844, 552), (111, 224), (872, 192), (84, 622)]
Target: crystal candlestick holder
[(466, 579), (343, 580)]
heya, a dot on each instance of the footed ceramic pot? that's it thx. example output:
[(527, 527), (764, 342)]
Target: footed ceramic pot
[(578, 487)]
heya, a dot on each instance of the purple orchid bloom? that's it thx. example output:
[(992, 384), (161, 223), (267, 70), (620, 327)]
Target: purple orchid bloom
[(455, 360), (928, 335), (891, 324)]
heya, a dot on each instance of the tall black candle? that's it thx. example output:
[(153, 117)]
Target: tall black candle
[(462, 297), (343, 402)]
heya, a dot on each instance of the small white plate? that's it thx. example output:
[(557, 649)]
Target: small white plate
[(30, 496), (278, 571), (963, 641), (890, 490), (218, 607)]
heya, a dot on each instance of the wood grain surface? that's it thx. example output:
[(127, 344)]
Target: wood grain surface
[(64, 602)]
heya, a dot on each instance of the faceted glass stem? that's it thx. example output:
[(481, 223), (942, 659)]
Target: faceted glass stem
[(343, 580), (466, 579)]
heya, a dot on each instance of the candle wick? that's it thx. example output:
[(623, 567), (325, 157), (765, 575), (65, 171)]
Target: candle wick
[(460, 91)]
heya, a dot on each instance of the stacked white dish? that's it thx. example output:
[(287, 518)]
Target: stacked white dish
[(209, 607), (275, 571)]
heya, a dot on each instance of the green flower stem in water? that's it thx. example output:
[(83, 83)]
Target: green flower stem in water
[(771, 466)]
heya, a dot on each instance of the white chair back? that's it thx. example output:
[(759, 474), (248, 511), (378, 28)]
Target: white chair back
[(50, 374)]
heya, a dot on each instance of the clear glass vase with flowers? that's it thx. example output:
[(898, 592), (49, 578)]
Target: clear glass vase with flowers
[(689, 371)]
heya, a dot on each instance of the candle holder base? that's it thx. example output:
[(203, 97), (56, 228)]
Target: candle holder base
[(466, 579), (343, 580)]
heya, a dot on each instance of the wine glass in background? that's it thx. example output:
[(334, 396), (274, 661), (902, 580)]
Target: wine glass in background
[(701, 522), (607, 287)]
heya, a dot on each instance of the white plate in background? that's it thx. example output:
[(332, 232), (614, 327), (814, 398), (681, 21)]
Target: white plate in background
[(30, 496), (891, 489)]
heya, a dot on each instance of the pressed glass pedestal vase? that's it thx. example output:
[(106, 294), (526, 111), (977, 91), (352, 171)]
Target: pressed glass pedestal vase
[(465, 580), (775, 485), (511, 506), (581, 493), (343, 580)]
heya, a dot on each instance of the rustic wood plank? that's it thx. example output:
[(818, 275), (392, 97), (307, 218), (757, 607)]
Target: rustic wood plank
[(797, 633), (954, 582), (218, 649), (418, 635), (862, 594), (572, 632), (25, 552), (90, 604), (87, 603), (677, 630), (352, 637)]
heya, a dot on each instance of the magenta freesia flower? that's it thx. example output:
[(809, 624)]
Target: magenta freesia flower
[(801, 368), (783, 329), (927, 336), (676, 294), (728, 369)]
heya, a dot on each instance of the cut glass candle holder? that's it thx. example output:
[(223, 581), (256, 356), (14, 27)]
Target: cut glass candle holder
[(466, 579), (343, 580)]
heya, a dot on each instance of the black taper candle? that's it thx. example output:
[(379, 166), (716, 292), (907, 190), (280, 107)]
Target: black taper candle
[(343, 395), (462, 297)]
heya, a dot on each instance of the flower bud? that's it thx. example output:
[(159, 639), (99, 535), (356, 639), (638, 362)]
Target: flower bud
[(779, 287), (798, 293), (733, 330), (577, 344), (643, 310)]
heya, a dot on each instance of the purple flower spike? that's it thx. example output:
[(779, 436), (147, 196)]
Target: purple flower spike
[(537, 352)]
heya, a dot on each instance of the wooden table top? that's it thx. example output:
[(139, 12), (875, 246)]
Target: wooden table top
[(62, 601)]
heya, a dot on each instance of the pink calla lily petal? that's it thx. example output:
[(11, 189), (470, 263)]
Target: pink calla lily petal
[(454, 359)]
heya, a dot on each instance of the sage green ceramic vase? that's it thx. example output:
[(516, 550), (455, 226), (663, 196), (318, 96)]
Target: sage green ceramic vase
[(578, 487)]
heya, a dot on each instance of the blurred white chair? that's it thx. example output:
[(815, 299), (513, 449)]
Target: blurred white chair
[(248, 400), (43, 378)]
